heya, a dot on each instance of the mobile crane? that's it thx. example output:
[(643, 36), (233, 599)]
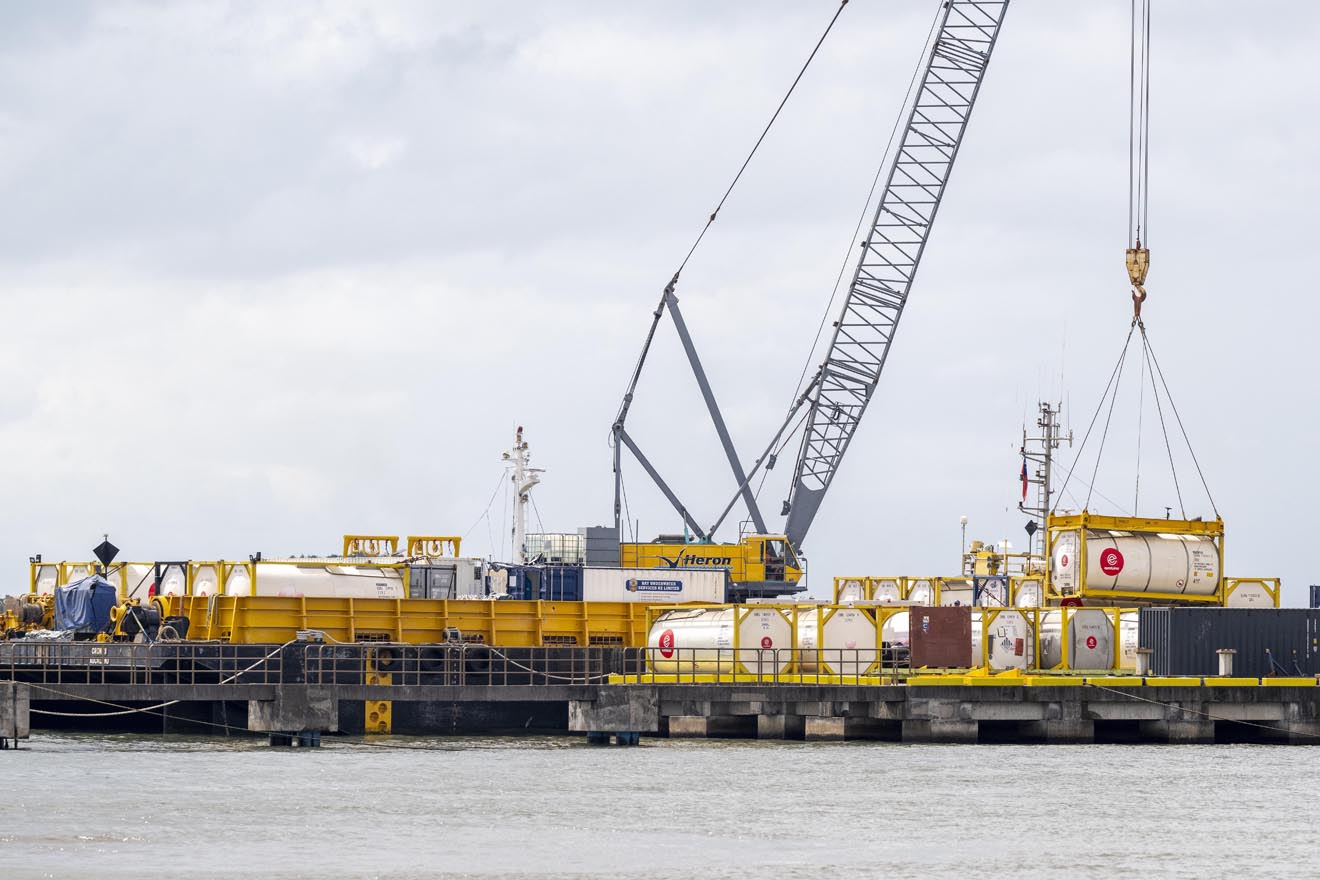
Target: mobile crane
[(829, 408)]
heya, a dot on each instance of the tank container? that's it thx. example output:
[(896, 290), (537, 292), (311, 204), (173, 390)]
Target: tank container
[(1010, 640), (703, 641), (1089, 633), (837, 640), (849, 589), (1095, 556), (921, 591)]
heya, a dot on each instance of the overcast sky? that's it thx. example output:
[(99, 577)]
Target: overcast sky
[(270, 273)]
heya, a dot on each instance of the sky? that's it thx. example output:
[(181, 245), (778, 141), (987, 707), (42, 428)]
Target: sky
[(274, 273)]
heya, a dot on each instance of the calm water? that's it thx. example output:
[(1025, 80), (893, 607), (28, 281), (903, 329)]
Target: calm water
[(106, 806)]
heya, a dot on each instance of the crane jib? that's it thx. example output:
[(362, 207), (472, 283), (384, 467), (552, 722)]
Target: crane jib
[(936, 118)]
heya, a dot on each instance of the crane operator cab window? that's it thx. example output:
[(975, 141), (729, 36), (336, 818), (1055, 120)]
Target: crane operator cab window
[(774, 555)]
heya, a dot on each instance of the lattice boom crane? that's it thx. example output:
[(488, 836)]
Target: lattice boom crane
[(953, 69)]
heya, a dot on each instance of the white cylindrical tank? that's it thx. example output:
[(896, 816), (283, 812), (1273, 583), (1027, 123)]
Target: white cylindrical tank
[(1030, 593), (851, 590), (921, 591), (48, 578), (701, 640), (173, 581), (206, 580), (313, 581), (886, 590), (1090, 637), (692, 641), (1138, 562), (844, 644), (1249, 594), (956, 591), (138, 578), (1010, 640)]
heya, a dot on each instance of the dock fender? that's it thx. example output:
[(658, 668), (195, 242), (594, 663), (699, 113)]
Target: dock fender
[(476, 658), (433, 659), (387, 659)]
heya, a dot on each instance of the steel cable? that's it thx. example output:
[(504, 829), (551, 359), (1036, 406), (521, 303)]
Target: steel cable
[(1173, 406), (1082, 448), (650, 336)]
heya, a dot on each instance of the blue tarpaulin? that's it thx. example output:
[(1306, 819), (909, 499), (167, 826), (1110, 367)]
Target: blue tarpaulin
[(84, 606)]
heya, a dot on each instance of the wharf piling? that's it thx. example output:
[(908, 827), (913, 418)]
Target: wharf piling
[(15, 713)]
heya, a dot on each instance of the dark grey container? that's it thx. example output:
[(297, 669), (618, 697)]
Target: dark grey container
[(1268, 641)]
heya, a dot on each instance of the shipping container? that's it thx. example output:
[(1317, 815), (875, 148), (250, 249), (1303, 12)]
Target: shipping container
[(655, 586), (547, 583), (1268, 641), (941, 637)]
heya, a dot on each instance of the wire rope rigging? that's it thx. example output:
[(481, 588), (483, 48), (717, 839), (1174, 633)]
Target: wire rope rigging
[(1138, 265)]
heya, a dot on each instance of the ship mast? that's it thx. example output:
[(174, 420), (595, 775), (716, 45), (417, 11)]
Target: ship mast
[(1038, 465), (525, 479)]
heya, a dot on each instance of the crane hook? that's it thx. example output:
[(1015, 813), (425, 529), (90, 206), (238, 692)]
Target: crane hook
[(1138, 264)]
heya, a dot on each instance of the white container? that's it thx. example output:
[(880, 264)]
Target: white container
[(1011, 643), (1128, 639), (956, 591), (206, 580), (846, 642), (173, 579), (1090, 637), (311, 581), (921, 591), (851, 590), (48, 578), (1249, 594), (994, 593), (1030, 593), (137, 579), (886, 590), (1137, 562), (701, 641), (654, 586)]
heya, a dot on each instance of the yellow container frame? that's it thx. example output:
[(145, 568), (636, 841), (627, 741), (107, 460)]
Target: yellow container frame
[(1085, 521)]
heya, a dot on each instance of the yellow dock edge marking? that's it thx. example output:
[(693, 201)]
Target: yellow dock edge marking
[(968, 680)]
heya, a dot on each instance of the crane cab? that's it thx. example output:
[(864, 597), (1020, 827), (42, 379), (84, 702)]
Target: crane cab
[(759, 565)]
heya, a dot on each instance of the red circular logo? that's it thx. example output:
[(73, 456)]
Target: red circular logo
[(767, 642), (1111, 561), (667, 644), (1063, 561), (1090, 642)]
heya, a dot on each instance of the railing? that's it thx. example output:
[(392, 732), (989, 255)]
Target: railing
[(832, 666), (194, 664), (174, 663), (449, 665)]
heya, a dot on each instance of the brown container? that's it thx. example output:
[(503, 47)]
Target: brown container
[(941, 637)]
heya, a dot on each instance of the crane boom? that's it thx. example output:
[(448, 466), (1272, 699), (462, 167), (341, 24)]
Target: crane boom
[(952, 71)]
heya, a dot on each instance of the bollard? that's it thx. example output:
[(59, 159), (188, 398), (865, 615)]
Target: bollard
[(1225, 661), (1143, 661)]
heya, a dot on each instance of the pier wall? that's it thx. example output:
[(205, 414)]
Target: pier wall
[(372, 689)]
